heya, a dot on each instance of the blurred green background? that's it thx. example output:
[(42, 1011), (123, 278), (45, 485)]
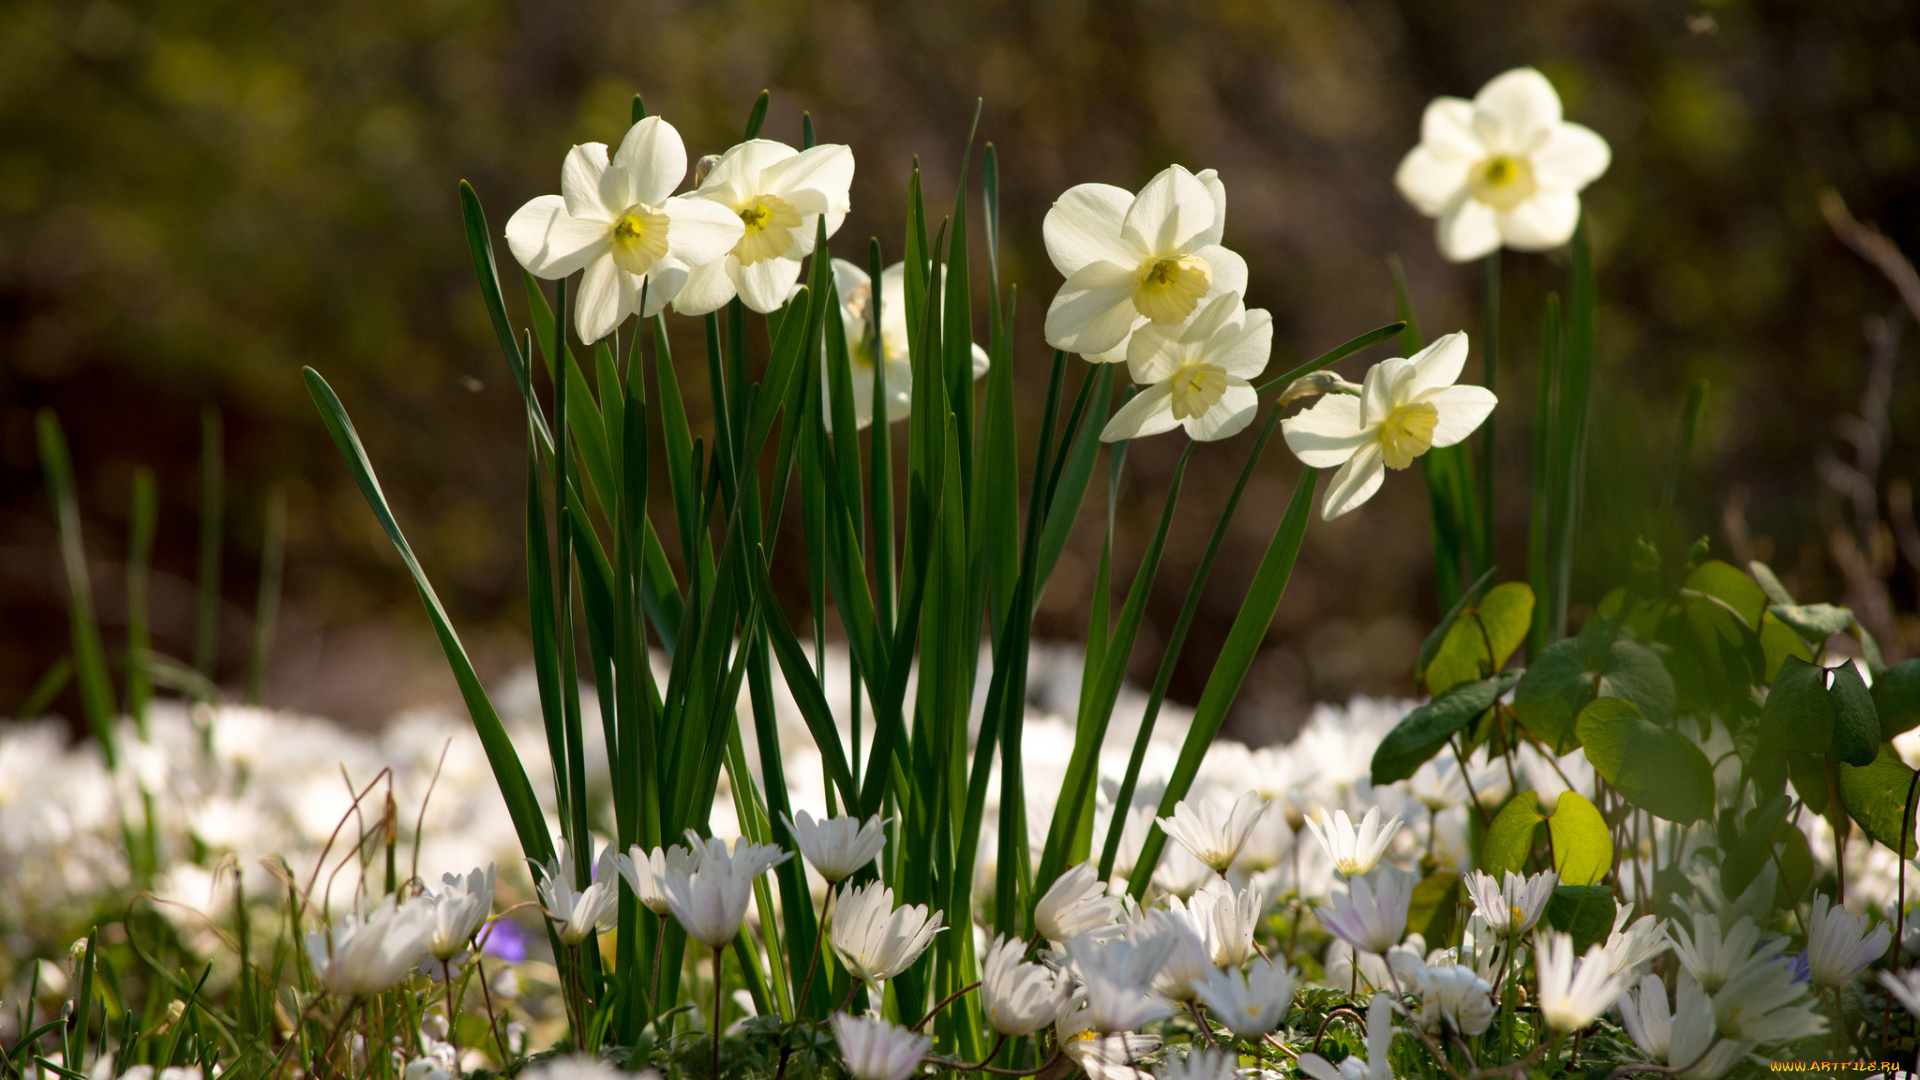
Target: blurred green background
[(196, 199)]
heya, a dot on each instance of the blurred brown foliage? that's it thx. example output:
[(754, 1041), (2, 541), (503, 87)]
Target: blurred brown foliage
[(198, 198)]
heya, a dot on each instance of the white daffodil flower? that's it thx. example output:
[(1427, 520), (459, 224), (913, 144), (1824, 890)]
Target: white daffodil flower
[(1117, 976), (1020, 998), (1130, 260), (1371, 914), (1503, 168), (1404, 408), (855, 289), (876, 940), (1379, 1042), (877, 1050), (646, 872), (780, 195), (1572, 994), (710, 901), (459, 908), (1196, 374), (838, 847), (1076, 903), (576, 913), (619, 220), (368, 952), (1452, 994), (1214, 834), (1685, 1038), (1839, 943), (1250, 1003), (1354, 852), (1511, 906), (1905, 988)]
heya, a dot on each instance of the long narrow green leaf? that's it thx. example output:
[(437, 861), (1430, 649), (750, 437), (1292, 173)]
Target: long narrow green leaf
[(1067, 493), (587, 425), (758, 116), (206, 637), (1682, 447), (89, 658), (266, 607), (1230, 669), (807, 693), (143, 526), (1541, 536), (480, 246)]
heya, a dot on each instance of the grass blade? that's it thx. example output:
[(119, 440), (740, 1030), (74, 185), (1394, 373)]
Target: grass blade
[(206, 638), (266, 610), (89, 658), (145, 520)]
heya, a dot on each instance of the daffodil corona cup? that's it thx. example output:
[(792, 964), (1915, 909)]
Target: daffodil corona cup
[(780, 795)]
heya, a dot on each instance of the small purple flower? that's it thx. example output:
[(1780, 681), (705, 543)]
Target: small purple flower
[(506, 940), (1801, 972)]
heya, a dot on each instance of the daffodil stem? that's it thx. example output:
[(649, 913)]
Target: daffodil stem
[(1490, 354)]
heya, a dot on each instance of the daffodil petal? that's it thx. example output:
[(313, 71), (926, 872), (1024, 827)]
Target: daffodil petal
[(700, 231), (580, 177), (550, 242), (981, 361), (1383, 388), (1462, 409), (1572, 157), (741, 172), (1545, 221), (1327, 434), (1229, 270), (764, 285), (1093, 311), (1439, 364), (664, 281), (1446, 127), (1228, 417), (652, 160), (1245, 352), (1516, 111), (1171, 214), (1218, 190), (815, 180), (1149, 413), (596, 307), (1083, 227), (1356, 481), (1469, 230), (707, 288), (1153, 353), (1430, 179)]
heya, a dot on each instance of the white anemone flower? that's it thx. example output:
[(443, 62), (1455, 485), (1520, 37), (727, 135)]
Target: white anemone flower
[(1633, 948), (855, 289), (572, 1067), (1454, 995), (1379, 1043), (877, 1050), (1076, 903), (459, 908), (838, 847), (1404, 408), (1200, 1065), (646, 872), (1130, 260), (1573, 993), (1103, 1056), (1513, 905), (1503, 168), (1020, 997), (1189, 959), (367, 952), (1251, 1003), (1760, 1003), (619, 221), (1214, 834), (1371, 914), (1686, 1039), (876, 940), (1196, 374), (780, 195), (1712, 957), (1905, 988), (1839, 944), (1118, 974), (1354, 851), (577, 913), (710, 900), (1225, 918)]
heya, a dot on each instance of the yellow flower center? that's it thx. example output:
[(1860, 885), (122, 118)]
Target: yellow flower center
[(639, 237), (1514, 913), (1407, 433), (1502, 181), (1167, 290), (770, 221), (1196, 387)]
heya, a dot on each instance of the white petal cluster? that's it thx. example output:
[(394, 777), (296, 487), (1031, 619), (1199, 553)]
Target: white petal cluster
[(855, 290), (579, 912), (1455, 996), (876, 940), (1405, 407), (1371, 913), (1513, 905), (1076, 903), (459, 908), (1196, 374), (1020, 997), (1572, 993), (1686, 1039), (838, 847), (1117, 976), (367, 952), (877, 1050), (779, 195), (710, 899), (1502, 169), (646, 872), (1251, 1002), (1840, 944)]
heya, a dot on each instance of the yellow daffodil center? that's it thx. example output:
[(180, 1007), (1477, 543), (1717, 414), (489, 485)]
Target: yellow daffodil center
[(770, 221), (1407, 433), (639, 237), (1502, 181), (1167, 290), (1196, 387)]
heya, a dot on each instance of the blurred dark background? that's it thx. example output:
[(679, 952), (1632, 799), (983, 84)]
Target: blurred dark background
[(196, 199)]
